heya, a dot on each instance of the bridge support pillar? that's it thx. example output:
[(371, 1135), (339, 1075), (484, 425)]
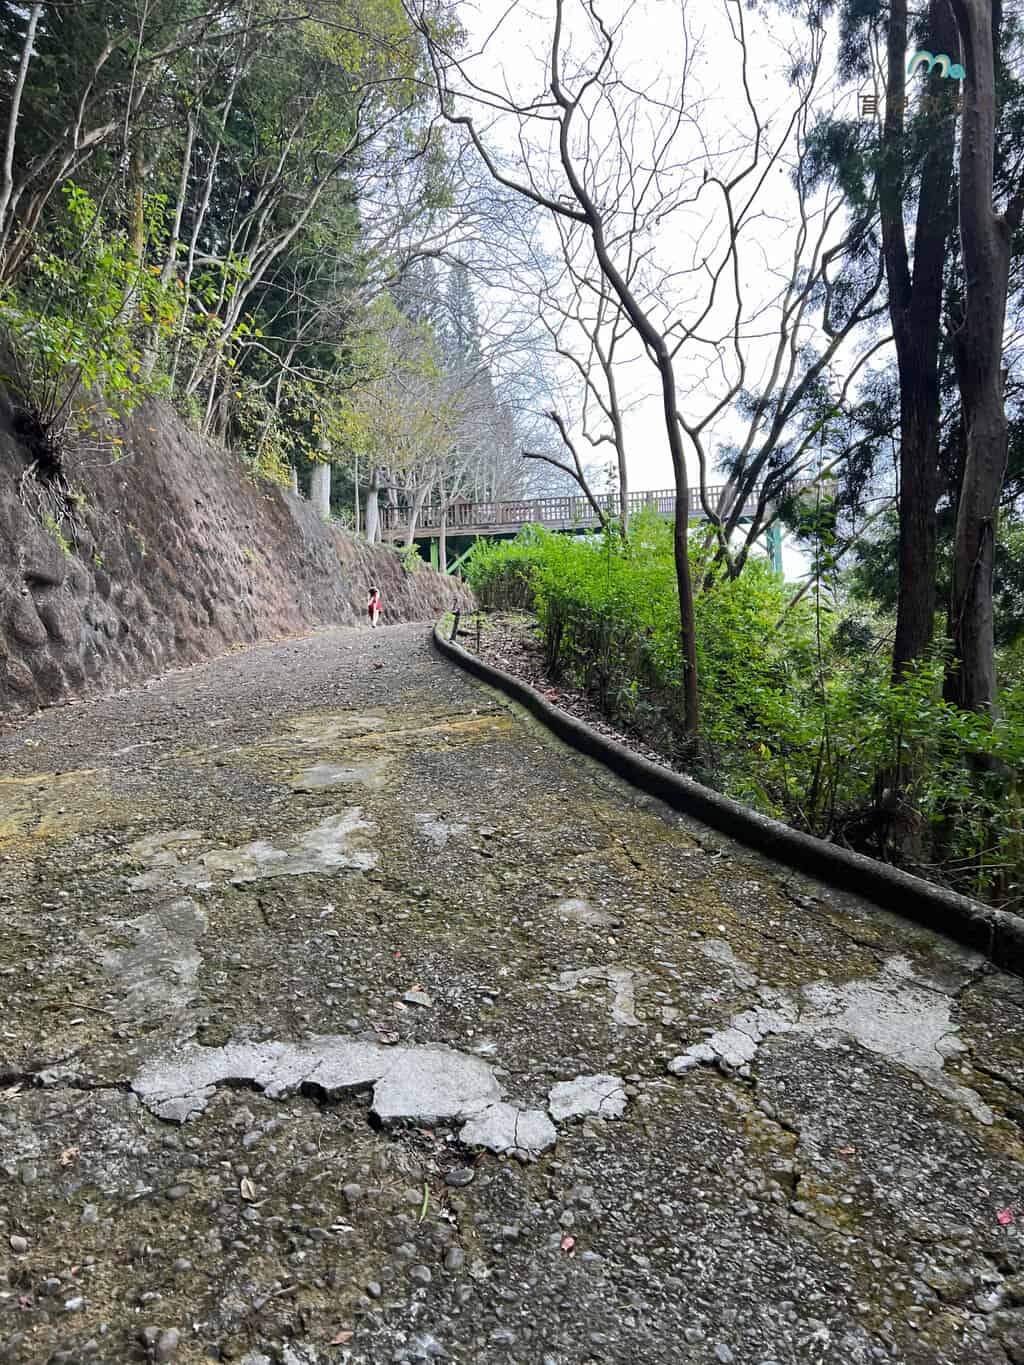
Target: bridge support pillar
[(434, 558), (774, 539)]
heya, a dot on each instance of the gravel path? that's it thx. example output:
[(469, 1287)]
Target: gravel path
[(345, 1016)]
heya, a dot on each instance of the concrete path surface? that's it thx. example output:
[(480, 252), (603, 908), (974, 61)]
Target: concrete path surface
[(345, 1016)]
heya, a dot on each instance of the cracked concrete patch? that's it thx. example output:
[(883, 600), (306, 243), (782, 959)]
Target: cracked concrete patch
[(180, 1089), (897, 1015), (719, 951), (582, 912), (439, 831), (503, 1128), (159, 848), (326, 729), (328, 846), (159, 971), (410, 1084), (602, 1095), (430, 1084), (323, 776), (622, 981), (902, 1019)]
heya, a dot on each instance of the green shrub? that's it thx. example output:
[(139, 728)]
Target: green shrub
[(799, 714)]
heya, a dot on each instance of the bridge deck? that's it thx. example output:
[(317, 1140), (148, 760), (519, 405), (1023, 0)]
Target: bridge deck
[(556, 513)]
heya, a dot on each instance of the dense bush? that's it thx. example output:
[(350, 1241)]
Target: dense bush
[(799, 716)]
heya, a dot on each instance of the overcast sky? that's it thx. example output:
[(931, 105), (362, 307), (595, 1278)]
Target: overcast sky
[(652, 52), (514, 42)]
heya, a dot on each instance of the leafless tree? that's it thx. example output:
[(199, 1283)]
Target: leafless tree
[(565, 110), (585, 326), (683, 236)]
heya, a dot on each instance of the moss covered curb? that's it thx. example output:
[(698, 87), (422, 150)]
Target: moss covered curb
[(997, 934)]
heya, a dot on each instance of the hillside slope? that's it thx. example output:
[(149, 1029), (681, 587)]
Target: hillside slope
[(113, 568)]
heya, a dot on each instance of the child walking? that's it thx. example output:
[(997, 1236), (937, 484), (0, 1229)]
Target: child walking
[(374, 607)]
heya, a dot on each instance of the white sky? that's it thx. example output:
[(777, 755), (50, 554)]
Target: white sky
[(651, 55)]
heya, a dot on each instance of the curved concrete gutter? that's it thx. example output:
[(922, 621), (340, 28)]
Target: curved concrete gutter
[(996, 933)]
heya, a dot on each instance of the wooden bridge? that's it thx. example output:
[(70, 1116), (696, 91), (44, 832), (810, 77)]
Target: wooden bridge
[(463, 518)]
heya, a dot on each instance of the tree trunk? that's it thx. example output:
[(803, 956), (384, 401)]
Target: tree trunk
[(7, 185), (919, 484), (414, 512), (985, 237), (136, 229), (662, 357), (320, 489), (915, 307)]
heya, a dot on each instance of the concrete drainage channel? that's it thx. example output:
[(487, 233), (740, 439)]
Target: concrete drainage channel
[(996, 934)]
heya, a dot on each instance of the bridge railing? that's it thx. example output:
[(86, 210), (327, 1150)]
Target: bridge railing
[(560, 512)]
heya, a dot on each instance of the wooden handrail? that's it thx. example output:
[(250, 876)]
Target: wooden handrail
[(503, 515)]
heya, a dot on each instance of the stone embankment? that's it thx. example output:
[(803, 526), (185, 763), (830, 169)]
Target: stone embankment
[(127, 559)]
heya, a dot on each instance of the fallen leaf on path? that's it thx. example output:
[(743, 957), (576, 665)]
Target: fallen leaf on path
[(247, 1189), (569, 1245), (342, 1338), (68, 1155), (847, 1151), (1004, 1217)]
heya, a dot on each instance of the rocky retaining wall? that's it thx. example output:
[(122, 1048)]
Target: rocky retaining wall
[(121, 561)]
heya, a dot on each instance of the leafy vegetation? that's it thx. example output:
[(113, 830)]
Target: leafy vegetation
[(70, 322), (241, 205), (800, 709)]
